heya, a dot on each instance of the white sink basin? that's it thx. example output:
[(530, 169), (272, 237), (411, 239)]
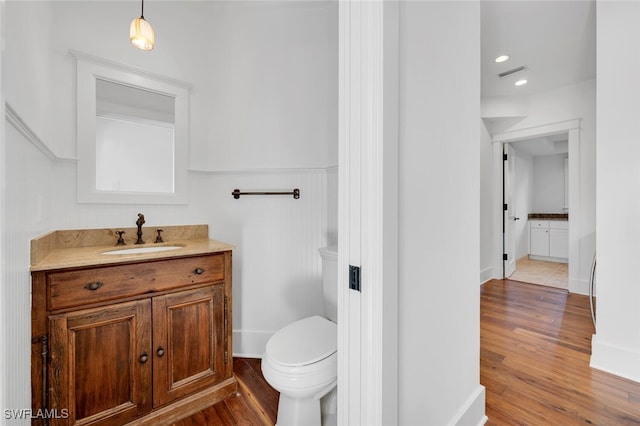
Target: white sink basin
[(137, 250)]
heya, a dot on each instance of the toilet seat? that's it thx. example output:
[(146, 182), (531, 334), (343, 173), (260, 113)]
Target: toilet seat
[(304, 342)]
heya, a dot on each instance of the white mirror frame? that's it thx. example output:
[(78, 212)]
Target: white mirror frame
[(88, 69)]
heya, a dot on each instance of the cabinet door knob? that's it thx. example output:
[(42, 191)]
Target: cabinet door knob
[(198, 271), (94, 286), (143, 358), (160, 351)]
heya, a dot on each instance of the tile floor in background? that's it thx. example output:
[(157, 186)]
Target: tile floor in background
[(551, 274)]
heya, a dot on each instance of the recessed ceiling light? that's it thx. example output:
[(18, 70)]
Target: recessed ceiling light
[(520, 82), (502, 58)]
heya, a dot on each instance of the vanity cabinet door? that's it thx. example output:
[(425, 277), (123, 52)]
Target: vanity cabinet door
[(539, 238), (100, 364), (188, 342)]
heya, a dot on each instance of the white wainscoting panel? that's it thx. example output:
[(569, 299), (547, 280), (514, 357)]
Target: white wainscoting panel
[(27, 213), (277, 269)]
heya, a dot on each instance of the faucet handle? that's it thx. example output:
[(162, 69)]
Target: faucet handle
[(120, 239), (159, 237)]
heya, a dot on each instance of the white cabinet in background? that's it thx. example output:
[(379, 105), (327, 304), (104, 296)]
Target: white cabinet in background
[(549, 240), (559, 238), (539, 237)]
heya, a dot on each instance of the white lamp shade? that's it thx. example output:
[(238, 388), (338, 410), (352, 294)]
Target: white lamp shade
[(141, 34)]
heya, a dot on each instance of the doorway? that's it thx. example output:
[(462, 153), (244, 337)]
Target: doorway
[(536, 205), (571, 129)]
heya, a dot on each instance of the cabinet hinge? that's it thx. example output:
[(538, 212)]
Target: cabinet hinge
[(226, 330), (44, 353), (504, 157), (505, 256), (505, 207)]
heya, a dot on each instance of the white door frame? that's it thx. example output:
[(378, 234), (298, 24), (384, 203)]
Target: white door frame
[(4, 386), (572, 127), (367, 218), (508, 215)]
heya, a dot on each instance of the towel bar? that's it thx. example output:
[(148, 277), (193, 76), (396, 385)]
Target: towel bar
[(236, 193)]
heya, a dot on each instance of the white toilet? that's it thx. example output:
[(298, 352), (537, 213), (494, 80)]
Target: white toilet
[(301, 359)]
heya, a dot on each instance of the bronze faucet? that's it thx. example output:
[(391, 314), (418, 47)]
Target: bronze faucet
[(120, 239), (140, 222)]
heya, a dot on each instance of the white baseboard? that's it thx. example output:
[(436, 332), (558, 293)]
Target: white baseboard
[(579, 286), (250, 344), (472, 412), (486, 274), (623, 362), (549, 259)]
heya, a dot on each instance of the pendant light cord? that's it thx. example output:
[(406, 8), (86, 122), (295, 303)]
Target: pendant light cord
[(142, 11)]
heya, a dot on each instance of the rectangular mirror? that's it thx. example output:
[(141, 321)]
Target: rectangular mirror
[(132, 134), (134, 139)]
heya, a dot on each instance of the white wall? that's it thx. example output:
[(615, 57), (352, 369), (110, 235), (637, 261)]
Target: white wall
[(548, 186), (565, 103), (262, 75), (616, 344), (4, 318), (28, 62), (29, 190), (488, 203), (439, 169), (276, 263)]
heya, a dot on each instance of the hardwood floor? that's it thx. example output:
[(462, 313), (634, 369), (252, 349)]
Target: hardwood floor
[(256, 403), (534, 362)]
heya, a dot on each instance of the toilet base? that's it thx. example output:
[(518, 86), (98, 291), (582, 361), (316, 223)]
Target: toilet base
[(329, 420), (309, 411), (296, 412)]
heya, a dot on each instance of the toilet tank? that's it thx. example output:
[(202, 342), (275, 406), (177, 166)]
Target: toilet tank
[(329, 257)]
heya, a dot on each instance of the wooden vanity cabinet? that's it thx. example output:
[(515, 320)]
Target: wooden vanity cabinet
[(139, 343)]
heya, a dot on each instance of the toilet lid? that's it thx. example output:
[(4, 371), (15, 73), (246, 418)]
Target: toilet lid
[(303, 342)]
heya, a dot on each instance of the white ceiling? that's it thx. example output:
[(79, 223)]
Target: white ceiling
[(555, 40)]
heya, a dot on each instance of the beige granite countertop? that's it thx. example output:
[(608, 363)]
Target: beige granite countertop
[(78, 248)]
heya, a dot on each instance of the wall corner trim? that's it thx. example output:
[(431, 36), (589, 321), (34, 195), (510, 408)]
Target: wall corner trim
[(266, 171), (13, 118), (472, 413), (614, 359)]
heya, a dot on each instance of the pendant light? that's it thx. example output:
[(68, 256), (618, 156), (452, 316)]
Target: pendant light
[(141, 33)]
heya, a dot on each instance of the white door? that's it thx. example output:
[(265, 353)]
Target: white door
[(509, 234), (368, 218)]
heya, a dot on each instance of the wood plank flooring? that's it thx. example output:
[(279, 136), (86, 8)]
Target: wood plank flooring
[(534, 362), (256, 403)]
